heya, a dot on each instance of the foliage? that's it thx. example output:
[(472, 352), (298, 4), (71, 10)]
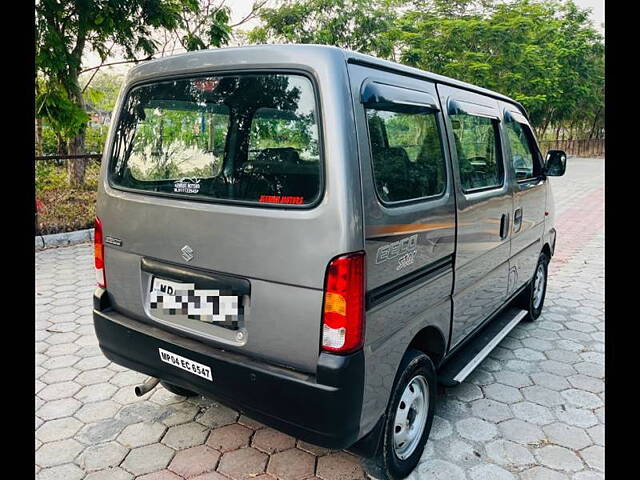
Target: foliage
[(545, 54), (61, 208), (358, 25), (102, 90), (66, 29)]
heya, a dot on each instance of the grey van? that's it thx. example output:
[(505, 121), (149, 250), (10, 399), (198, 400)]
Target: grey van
[(317, 237)]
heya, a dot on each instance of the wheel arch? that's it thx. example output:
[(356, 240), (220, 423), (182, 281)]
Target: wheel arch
[(430, 340)]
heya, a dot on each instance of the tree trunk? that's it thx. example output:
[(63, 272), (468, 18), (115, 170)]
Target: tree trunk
[(595, 122), (76, 168), (38, 137)]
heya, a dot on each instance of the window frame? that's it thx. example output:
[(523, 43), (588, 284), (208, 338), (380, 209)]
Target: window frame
[(428, 111), (495, 124), (315, 85), (531, 142)]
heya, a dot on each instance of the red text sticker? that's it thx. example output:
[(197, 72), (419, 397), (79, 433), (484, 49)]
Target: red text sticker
[(291, 200)]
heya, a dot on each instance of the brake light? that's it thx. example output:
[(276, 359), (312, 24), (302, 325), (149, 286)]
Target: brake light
[(98, 248), (343, 306)]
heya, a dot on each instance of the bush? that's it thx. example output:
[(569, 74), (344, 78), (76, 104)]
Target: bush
[(60, 207)]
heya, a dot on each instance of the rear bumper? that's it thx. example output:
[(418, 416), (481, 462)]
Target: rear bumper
[(323, 409)]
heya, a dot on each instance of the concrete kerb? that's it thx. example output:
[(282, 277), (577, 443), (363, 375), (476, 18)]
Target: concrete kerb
[(63, 239)]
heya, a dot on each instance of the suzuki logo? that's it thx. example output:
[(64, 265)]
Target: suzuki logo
[(187, 253)]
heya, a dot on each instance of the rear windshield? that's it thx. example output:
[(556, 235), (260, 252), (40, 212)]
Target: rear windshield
[(250, 137)]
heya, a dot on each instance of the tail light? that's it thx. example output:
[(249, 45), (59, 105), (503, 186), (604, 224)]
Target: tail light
[(343, 306), (98, 241)]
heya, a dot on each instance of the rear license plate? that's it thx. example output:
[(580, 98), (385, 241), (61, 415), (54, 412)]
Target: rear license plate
[(207, 305), (185, 364)]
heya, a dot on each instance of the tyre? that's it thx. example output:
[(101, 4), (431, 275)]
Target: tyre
[(409, 416), (183, 392), (532, 298)]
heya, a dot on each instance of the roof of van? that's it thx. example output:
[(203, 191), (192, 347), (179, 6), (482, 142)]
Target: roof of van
[(280, 53)]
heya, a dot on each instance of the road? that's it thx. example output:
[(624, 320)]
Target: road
[(533, 410)]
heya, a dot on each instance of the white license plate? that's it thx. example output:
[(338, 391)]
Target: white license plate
[(207, 305), (185, 364)]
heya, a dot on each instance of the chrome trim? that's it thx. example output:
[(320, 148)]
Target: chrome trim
[(482, 354)]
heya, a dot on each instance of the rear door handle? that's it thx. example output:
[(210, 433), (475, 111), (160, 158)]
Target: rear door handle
[(504, 226), (517, 220)]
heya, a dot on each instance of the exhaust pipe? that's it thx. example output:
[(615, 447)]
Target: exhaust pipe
[(145, 387)]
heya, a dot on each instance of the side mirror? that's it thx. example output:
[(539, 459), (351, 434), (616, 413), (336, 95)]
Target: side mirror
[(556, 163)]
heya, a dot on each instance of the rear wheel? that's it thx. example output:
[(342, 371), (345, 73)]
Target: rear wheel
[(409, 415), (532, 297), (183, 392)]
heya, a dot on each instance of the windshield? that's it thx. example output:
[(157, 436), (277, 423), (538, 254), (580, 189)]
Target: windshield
[(251, 137)]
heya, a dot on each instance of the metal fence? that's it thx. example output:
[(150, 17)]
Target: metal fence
[(580, 148), (88, 156)]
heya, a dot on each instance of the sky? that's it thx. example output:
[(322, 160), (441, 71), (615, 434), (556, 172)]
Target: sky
[(240, 9)]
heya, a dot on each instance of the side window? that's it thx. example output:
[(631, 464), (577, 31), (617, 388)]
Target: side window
[(523, 158), (479, 158), (406, 149)]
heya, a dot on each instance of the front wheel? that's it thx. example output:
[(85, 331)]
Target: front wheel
[(532, 297), (409, 415)]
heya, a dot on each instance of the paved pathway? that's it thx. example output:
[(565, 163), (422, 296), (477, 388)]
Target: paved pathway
[(533, 410)]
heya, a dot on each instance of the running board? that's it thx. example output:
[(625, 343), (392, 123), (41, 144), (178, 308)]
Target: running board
[(465, 361)]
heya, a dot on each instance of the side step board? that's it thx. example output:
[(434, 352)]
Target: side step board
[(463, 362)]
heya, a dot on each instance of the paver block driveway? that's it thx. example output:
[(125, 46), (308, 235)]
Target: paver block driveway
[(533, 410)]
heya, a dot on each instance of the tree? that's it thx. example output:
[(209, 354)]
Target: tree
[(66, 29), (545, 54), (358, 25)]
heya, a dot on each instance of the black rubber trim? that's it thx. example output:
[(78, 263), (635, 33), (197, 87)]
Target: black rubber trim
[(202, 279), (382, 293), (323, 409), (371, 444)]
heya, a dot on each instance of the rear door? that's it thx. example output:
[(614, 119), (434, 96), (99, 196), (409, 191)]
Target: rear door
[(220, 182), (524, 161), (484, 206)]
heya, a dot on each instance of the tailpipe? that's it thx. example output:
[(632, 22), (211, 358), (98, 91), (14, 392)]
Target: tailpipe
[(145, 387)]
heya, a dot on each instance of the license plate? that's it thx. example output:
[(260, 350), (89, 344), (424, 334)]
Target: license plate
[(185, 364), (207, 305)]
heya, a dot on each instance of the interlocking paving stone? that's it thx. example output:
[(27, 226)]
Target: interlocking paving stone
[(217, 416), (185, 436), (194, 461), (339, 466), (161, 475), (61, 472), (58, 408), (559, 458), (243, 464), (93, 412), (229, 437), (476, 429), (103, 456), (271, 441), (148, 459), (58, 429), (58, 453), (540, 393), (110, 474), (291, 464), (490, 472), (140, 434)]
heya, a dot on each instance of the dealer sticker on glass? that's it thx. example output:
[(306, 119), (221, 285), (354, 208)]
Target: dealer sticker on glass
[(185, 364)]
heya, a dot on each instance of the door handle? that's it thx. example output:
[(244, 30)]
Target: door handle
[(504, 226), (517, 220)]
